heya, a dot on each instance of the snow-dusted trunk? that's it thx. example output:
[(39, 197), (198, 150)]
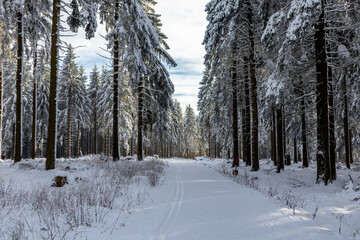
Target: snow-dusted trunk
[(95, 131), (254, 105), (116, 155), (19, 77), (140, 121), (279, 135), (304, 133), (274, 150), (323, 168), (78, 140), (51, 137), (332, 126), (34, 113), (1, 104), (247, 132), (69, 143), (235, 113), (284, 129), (346, 123), (295, 151), (209, 136)]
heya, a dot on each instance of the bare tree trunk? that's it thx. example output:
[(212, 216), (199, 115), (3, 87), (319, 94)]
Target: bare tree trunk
[(209, 136), (254, 106), (323, 168), (51, 138), (1, 103), (247, 143), (274, 137), (346, 124), (116, 154), (332, 126), (33, 137), (284, 130), (235, 113), (295, 151), (69, 142), (304, 134), (78, 140), (19, 77), (280, 151), (350, 146), (95, 132), (140, 121)]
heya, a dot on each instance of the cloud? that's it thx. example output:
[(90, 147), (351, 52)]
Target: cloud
[(184, 23)]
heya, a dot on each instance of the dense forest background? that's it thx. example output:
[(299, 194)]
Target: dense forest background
[(281, 81)]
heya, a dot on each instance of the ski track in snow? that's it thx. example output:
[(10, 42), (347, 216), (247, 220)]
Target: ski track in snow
[(196, 202), (168, 222)]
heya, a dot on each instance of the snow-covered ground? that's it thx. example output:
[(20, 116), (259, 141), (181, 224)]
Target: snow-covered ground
[(314, 210), (192, 200)]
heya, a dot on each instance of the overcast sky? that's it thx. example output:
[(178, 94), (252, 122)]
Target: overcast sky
[(184, 22)]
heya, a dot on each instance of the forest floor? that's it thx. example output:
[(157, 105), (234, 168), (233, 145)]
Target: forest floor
[(189, 200)]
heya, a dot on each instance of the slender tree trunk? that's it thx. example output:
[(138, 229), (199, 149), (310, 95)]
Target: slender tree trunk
[(13, 140), (51, 139), (19, 77), (209, 136), (78, 140), (280, 150), (116, 154), (69, 142), (346, 124), (304, 134), (140, 121), (284, 130), (332, 126), (1, 103), (235, 113), (254, 106), (33, 137), (95, 131), (295, 151), (247, 144), (350, 146), (274, 137), (323, 168)]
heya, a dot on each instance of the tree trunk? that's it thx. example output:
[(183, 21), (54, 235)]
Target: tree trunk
[(332, 126), (19, 77), (274, 137), (235, 113), (323, 168), (254, 107), (69, 143), (280, 151), (209, 136), (78, 140), (284, 130), (304, 134), (346, 124), (247, 143), (350, 146), (116, 154), (51, 138), (34, 113), (95, 132), (140, 121), (1, 104), (295, 151), (13, 140)]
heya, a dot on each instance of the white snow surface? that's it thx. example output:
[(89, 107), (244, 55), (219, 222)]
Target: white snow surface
[(202, 200)]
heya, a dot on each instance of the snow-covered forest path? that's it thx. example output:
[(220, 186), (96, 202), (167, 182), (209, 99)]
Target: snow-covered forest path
[(196, 202)]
